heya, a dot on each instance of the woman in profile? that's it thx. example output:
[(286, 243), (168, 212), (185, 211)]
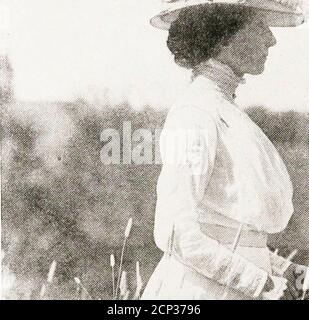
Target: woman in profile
[(223, 186)]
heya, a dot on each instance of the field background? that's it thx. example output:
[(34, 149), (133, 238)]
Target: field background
[(59, 202)]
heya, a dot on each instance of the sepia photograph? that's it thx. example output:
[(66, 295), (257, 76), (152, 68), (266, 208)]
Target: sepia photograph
[(154, 150)]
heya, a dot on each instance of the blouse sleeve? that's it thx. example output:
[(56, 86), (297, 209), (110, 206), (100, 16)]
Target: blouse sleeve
[(187, 166)]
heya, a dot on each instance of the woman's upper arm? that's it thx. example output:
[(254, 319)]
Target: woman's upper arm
[(188, 149), (189, 139)]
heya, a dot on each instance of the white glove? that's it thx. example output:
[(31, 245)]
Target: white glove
[(280, 285)]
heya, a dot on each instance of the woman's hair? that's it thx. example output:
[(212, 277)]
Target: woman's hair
[(199, 32)]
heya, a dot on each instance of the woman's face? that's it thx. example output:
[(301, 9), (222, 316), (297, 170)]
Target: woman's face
[(247, 51)]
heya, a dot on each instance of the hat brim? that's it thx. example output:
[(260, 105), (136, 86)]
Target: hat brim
[(274, 18)]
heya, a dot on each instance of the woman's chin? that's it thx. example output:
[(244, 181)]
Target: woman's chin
[(257, 71)]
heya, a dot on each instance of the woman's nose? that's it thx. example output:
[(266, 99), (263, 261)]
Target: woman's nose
[(271, 40)]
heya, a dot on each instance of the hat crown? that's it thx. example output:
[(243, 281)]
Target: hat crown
[(291, 4), (279, 13)]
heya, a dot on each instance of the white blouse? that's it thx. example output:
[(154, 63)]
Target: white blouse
[(218, 168)]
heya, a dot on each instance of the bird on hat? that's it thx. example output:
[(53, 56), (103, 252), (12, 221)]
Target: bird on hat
[(278, 13)]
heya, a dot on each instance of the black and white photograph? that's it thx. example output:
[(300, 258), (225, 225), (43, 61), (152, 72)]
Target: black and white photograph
[(154, 150)]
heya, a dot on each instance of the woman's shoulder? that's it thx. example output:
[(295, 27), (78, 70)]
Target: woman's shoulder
[(195, 108), (190, 116)]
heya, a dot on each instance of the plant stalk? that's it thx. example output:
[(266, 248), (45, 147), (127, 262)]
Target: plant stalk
[(120, 267)]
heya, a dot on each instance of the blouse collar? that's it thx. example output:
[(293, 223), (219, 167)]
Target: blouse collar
[(221, 74)]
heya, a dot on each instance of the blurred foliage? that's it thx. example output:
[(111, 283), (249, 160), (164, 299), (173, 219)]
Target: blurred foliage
[(6, 77), (61, 203)]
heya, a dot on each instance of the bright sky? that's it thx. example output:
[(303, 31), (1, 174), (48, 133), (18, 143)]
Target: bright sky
[(64, 49)]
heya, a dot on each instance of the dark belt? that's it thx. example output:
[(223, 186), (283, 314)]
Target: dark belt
[(227, 235)]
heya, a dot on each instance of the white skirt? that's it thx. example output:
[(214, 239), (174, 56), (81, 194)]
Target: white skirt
[(171, 280)]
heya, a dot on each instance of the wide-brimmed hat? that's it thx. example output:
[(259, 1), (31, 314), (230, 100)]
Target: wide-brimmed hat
[(278, 13)]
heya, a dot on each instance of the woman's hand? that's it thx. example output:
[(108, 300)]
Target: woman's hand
[(294, 274), (276, 288)]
